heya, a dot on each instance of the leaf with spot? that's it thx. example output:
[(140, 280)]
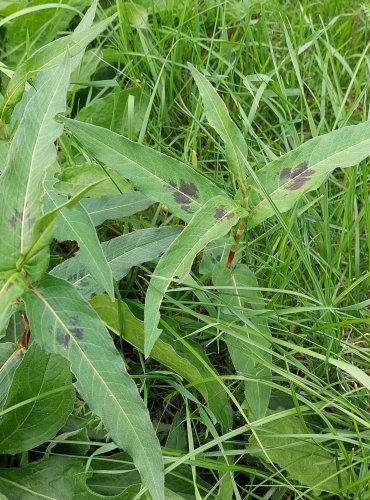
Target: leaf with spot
[(63, 323), (122, 253), (219, 118), (212, 221), (289, 177), (180, 187), (249, 351), (40, 398), (31, 152)]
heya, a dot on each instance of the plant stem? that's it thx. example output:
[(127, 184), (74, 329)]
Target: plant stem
[(237, 237)]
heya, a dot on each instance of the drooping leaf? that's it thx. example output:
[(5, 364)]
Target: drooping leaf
[(52, 54), (63, 323), (248, 359), (115, 207), (53, 478), (303, 459), (31, 152), (212, 221), (219, 118), (292, 175), (10, 357), (122, 253), (39, 400), (74, 223), (190, 363), (161, 178)]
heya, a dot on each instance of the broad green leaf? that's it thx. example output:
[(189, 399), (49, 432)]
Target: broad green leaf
[(212, 221), (115, 207), (31, 152), (53, 478), (74, 223), (73, 179), (38, 27), (303, 459), (10, 290), (63, 323), (247, 358), (40, 398), (190, 363), (4, 148), (122, 253), (161, 178), (10, 357), (52, 54), (292, 175), (122, 111), (219, 118)]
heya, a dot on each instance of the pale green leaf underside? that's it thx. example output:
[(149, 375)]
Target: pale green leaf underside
[(212, 221), (247, 358), (180, 187), (289, 177), (304, 460), (65, 324), (122, 253)]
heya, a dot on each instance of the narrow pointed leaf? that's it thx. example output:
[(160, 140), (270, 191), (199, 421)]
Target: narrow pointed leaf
[(247, 358), (31, 152), (180, 187), (292, 175), (219, 118), (122, 253), (40, 398), (115, 207), (213, 220), (190, 363), (65, 324), (73, 223)]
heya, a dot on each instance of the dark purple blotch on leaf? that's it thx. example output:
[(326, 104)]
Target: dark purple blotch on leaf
[(183, 193), (290, 173), (77, 332), (285, 173), (221, 213), (17, 215), (187, 209), (75, 320), (9, 286), (62, 338), (300, 180), (247, 305)]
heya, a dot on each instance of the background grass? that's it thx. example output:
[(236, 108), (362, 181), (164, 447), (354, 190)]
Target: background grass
[(287, 71)]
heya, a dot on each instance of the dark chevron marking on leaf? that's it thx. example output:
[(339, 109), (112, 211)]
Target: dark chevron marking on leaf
[(17, 216), (187, 209), (247, 305), (62, 338), (77, 332), (221, 213), (298, 181), (182, 194), (290, 173), (75, 320)]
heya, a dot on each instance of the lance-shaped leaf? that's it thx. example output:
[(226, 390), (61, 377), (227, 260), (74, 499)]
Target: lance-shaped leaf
[(292, 175), (74, 223), (210, 222), (189, 360), (10, 357), (10, 290), (115, 207), (52, 54), (122, 253), (63, 323), (248, 359), (163, 179), (31, 152), (39, 401), (219, 118)]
